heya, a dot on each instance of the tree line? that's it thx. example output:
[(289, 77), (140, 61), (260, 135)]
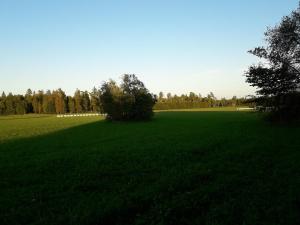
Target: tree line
[(50, 102), (196, 101), (57, 102)]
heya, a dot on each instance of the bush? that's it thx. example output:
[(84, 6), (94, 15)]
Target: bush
[(287, 108), (129, 101)]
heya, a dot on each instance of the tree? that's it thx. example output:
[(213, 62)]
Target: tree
[(71, 104), (37, 101), (78, 101), (211, 99), (111, 98), (86, 103), (95, 100), (10, 104), (160, 96), (129, 101), (60, 101), (139, 101), (2, 104), (48, 102), (20, 104), (279, 73), (28, 99), (192, 97), (234, 101)]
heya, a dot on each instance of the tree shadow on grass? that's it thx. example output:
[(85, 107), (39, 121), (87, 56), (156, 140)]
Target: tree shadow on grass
[(79, 175), (180, 168)]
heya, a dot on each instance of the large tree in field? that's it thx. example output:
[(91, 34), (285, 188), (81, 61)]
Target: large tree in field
[(278, 73), (129, 101), (138, 101)]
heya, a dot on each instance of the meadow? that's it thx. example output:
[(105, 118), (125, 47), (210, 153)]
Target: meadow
[(184, 167)]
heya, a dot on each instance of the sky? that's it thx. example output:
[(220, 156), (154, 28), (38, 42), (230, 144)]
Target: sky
[(171, 45)]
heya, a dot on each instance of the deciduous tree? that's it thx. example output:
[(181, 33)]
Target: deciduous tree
[(130, 101), (278, 74)]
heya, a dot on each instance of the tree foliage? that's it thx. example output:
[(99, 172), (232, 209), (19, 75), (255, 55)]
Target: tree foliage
[(49, 102), (277, 76), (129, 101), (193, 101), (280, 72)]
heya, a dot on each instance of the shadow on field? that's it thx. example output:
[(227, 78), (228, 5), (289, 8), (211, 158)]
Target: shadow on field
[(180, 168)]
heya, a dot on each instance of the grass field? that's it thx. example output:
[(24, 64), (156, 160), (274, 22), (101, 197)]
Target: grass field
[(194, 167), (212, 109)]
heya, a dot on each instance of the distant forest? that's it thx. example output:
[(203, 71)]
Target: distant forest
[(57, 102)]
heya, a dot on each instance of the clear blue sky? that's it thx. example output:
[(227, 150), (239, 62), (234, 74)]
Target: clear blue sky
[(173, 46)]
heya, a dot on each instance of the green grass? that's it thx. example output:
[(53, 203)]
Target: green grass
[(211, 168), (212, 109), (14, 127)]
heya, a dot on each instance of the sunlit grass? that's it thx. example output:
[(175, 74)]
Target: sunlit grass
[(212, 109), (21, 126)]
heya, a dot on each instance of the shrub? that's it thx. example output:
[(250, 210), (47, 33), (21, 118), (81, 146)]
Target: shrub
[(288, 108)]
